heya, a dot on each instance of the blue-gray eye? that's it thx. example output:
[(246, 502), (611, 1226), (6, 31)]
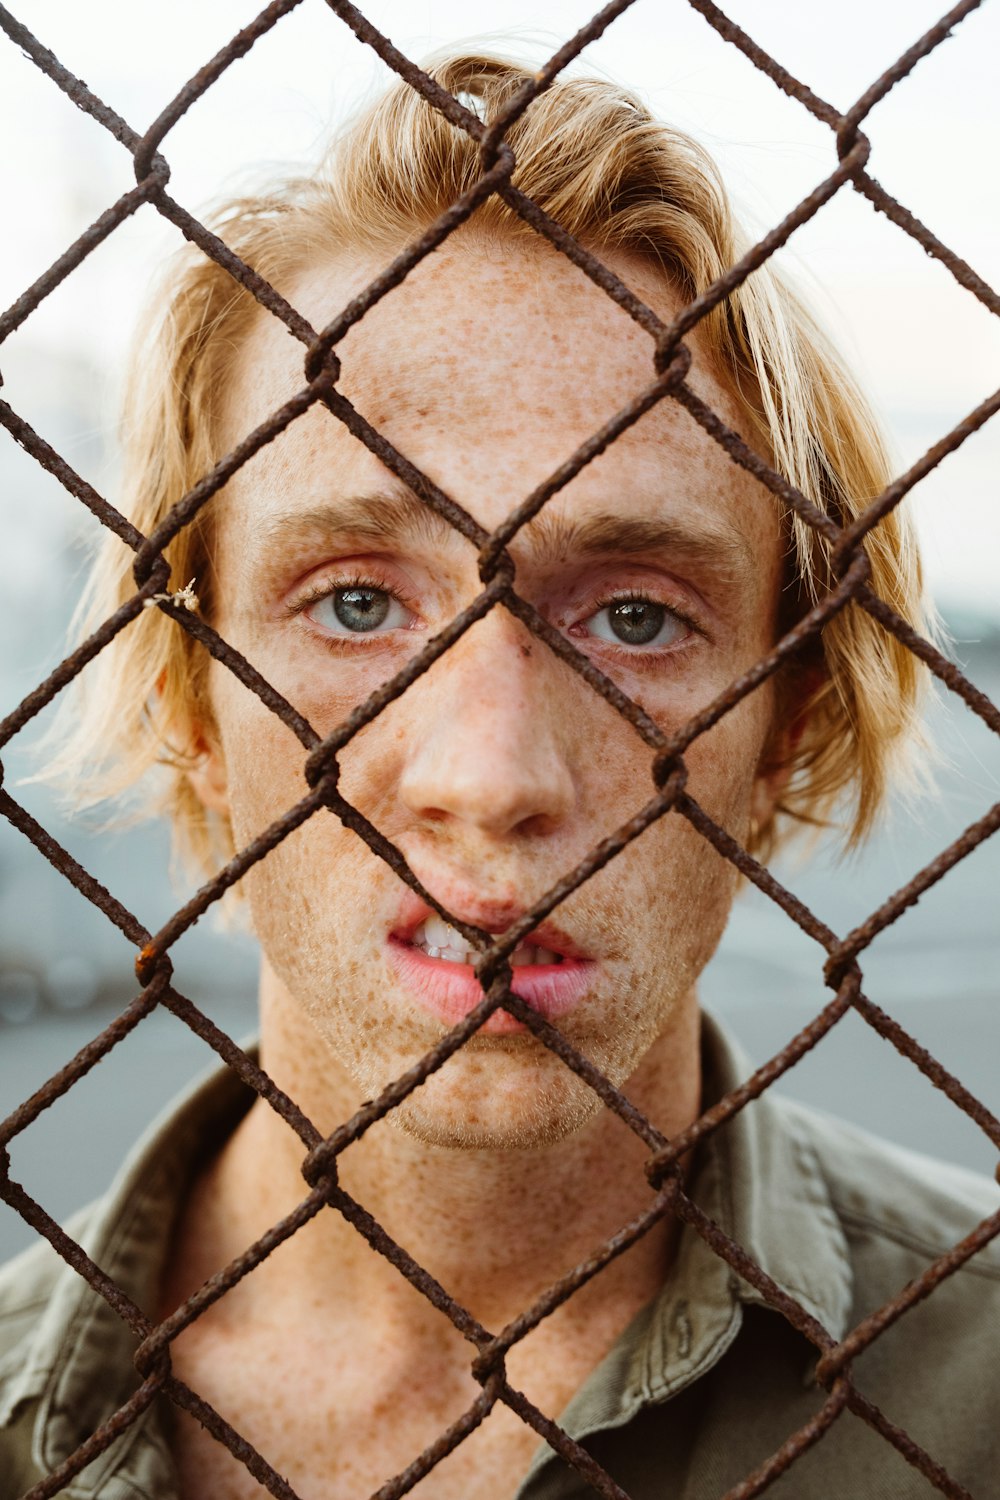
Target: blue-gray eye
[(359, 609), (637, 622)]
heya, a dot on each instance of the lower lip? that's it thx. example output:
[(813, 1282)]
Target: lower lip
[(450, 991)]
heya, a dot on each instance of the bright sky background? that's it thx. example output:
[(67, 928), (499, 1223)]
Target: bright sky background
[(927, 350)]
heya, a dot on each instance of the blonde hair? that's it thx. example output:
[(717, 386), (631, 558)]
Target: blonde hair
[(596, 161)]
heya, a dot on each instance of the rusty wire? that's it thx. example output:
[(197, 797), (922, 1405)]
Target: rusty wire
[(842, 972)]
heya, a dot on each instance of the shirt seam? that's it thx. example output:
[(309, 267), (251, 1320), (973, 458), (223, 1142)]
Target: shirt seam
[(726, 1153), (907, 1241)]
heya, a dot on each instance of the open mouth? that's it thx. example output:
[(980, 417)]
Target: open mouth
[(436, 966)]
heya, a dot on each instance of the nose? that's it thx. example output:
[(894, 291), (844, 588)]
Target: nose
[(489, 742)]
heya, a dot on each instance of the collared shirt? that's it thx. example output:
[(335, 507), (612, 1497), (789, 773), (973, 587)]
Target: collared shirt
[(702, 1387)]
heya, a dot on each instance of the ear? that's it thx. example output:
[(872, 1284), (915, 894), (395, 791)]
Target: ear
[(768, 785), (207, 773)]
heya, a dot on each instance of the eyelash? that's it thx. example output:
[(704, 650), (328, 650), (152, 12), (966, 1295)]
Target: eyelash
[(331, 584), (635, 656)]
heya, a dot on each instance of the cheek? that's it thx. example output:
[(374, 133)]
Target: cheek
[(303, 892), (318, 937), (723, 762), (265, 769), (671, 893)]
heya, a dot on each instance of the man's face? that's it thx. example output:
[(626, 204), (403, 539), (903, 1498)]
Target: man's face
[(499, 769)]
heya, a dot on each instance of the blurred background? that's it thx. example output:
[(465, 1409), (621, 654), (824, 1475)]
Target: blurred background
[(927, 350)]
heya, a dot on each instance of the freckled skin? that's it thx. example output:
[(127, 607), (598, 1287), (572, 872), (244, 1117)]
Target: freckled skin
[(497, 771)]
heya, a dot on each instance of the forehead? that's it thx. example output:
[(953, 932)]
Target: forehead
[(487, 368)]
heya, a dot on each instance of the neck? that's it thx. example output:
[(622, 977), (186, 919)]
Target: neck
[(494, 1227)]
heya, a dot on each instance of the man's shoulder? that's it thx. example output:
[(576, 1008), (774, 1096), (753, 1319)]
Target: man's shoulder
[(907, 1216), (893, 1191), (821, 1197)]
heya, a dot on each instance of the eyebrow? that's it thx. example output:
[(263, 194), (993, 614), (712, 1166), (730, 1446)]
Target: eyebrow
[(397, 516), (723, 550), (386, 516)]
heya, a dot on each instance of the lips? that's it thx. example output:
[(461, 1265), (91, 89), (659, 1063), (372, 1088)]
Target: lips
[(434, 963)]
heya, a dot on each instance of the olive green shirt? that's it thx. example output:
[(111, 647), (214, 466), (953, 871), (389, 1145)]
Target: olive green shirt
[(704, 1385)]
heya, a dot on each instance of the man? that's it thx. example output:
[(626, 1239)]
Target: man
[(495, 773)]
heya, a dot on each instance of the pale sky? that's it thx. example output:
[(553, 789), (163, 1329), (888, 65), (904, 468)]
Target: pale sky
[(927, 350)]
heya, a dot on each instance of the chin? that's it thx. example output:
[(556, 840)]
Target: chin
[(523, 1099)]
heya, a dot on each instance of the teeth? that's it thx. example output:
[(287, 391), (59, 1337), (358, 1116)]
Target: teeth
[(527, 954), (438, 939), (437, 932)]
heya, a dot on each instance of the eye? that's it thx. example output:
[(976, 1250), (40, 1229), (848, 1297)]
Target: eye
[(637, 621), (359, 609)]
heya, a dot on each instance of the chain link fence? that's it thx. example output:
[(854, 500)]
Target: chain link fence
[(841, 952)]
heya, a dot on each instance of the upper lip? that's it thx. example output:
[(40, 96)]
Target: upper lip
[(492, 916)]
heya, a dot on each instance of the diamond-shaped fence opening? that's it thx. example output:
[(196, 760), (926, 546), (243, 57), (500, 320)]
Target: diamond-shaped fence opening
[(839, 955)]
